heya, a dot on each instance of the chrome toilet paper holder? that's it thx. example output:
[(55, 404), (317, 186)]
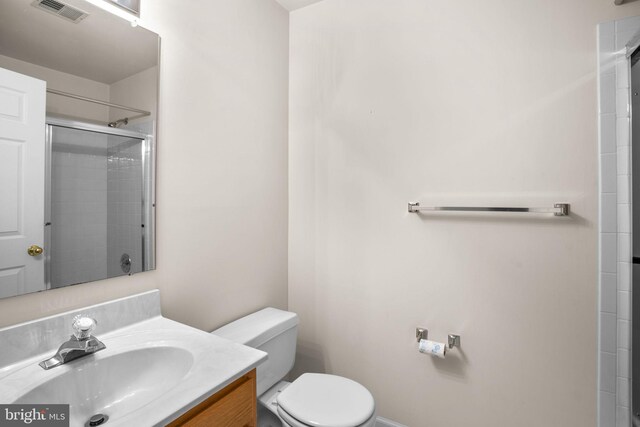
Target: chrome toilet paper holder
[(421, 334), (452, 340)]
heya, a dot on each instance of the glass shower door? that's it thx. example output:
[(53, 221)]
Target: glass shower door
[(96, 225)]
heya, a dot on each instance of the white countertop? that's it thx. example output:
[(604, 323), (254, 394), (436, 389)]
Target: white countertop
[(214, 363)]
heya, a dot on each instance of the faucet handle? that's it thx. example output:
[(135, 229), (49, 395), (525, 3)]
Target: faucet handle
[(83, 326)]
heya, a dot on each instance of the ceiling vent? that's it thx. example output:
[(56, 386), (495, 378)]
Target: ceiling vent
[(60, 9)]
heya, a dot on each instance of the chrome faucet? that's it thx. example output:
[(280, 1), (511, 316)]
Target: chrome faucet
[(81, 343)]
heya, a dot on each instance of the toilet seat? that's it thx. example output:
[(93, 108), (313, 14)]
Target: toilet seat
[(321, 400)]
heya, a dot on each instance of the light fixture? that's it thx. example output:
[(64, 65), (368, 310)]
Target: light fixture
[(109, 7)]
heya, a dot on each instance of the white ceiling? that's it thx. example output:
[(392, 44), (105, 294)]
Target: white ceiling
[(296, 4), (102, 47)]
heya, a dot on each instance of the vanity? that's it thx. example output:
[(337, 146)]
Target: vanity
[(152, 371), (234, 405)]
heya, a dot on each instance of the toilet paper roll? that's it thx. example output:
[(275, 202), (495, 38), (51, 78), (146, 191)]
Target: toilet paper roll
[(433, 348)]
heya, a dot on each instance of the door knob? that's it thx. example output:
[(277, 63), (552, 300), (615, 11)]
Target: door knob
[(34, 250)]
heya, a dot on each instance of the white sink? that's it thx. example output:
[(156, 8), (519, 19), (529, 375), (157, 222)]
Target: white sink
[(149, 373), (118, 384)]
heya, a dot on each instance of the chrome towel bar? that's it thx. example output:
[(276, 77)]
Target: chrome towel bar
[(558, 209)]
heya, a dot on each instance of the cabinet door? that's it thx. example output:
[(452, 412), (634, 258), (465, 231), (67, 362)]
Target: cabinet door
[(233, 406)]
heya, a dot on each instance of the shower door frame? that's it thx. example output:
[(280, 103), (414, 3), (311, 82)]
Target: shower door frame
[(148, 156)]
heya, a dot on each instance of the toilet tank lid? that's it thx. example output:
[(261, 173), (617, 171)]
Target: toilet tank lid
[(259, 327)]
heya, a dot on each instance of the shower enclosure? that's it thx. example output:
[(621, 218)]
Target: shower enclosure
[(635, 224), (99, 203)]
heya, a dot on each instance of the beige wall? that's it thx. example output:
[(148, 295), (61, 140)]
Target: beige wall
[(391, 101), (138, 91), (65, 82), (448, 102), (222, 168)]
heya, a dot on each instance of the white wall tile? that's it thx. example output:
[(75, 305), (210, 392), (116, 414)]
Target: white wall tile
[(608, 293), (624, 305), (624, 334), (608, 181), (607, 60), (622, 102), (609, 252), (623, 160), (623, 192), (606, 46), (622, 38), (623, 130), (609, 211), (607, 413), (608, 371), (606, 30), (624, 218), (623, 363), (623, 391), (622, 75), (608, 94), (608, 330), (623, 416), (624, 248), (626, 25), (624, 276), (608, 128)]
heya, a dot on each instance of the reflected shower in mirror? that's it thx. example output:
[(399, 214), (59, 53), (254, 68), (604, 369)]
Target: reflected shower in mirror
[(100, 204)]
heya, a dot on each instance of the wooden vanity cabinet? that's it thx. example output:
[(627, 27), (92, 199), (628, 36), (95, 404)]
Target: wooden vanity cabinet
[(233, 406)]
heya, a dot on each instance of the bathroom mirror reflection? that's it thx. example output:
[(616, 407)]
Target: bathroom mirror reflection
[(77, 203)]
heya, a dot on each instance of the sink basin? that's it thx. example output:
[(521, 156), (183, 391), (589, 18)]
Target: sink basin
[(117, 384)]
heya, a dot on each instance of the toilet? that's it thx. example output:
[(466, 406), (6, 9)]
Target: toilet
[(312, 400)]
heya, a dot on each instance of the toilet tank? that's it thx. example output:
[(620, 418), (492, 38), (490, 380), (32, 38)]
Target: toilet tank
[(272, 331)]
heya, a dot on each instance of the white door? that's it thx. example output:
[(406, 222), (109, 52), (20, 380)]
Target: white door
[(22, 157)]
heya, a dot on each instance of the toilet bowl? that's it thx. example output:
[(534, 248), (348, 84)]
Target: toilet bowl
[(312, 400)]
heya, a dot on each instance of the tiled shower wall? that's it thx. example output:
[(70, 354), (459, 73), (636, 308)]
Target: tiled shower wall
[(96, 205), (124, 174), (79, 207), (614, 385)]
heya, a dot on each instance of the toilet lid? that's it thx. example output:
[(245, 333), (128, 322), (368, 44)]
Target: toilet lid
[(322, 400)]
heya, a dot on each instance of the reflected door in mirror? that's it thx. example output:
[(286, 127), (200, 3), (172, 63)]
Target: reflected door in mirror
[(22, 163)]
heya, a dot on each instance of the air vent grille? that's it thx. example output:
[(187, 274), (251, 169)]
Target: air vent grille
[(60, 9), (53, 5)]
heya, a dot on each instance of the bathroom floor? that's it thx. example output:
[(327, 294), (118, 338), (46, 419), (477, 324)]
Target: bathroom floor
[(267, 418)]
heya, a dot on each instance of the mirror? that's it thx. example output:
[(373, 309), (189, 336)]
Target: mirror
[(131, 6), (98, 188)]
